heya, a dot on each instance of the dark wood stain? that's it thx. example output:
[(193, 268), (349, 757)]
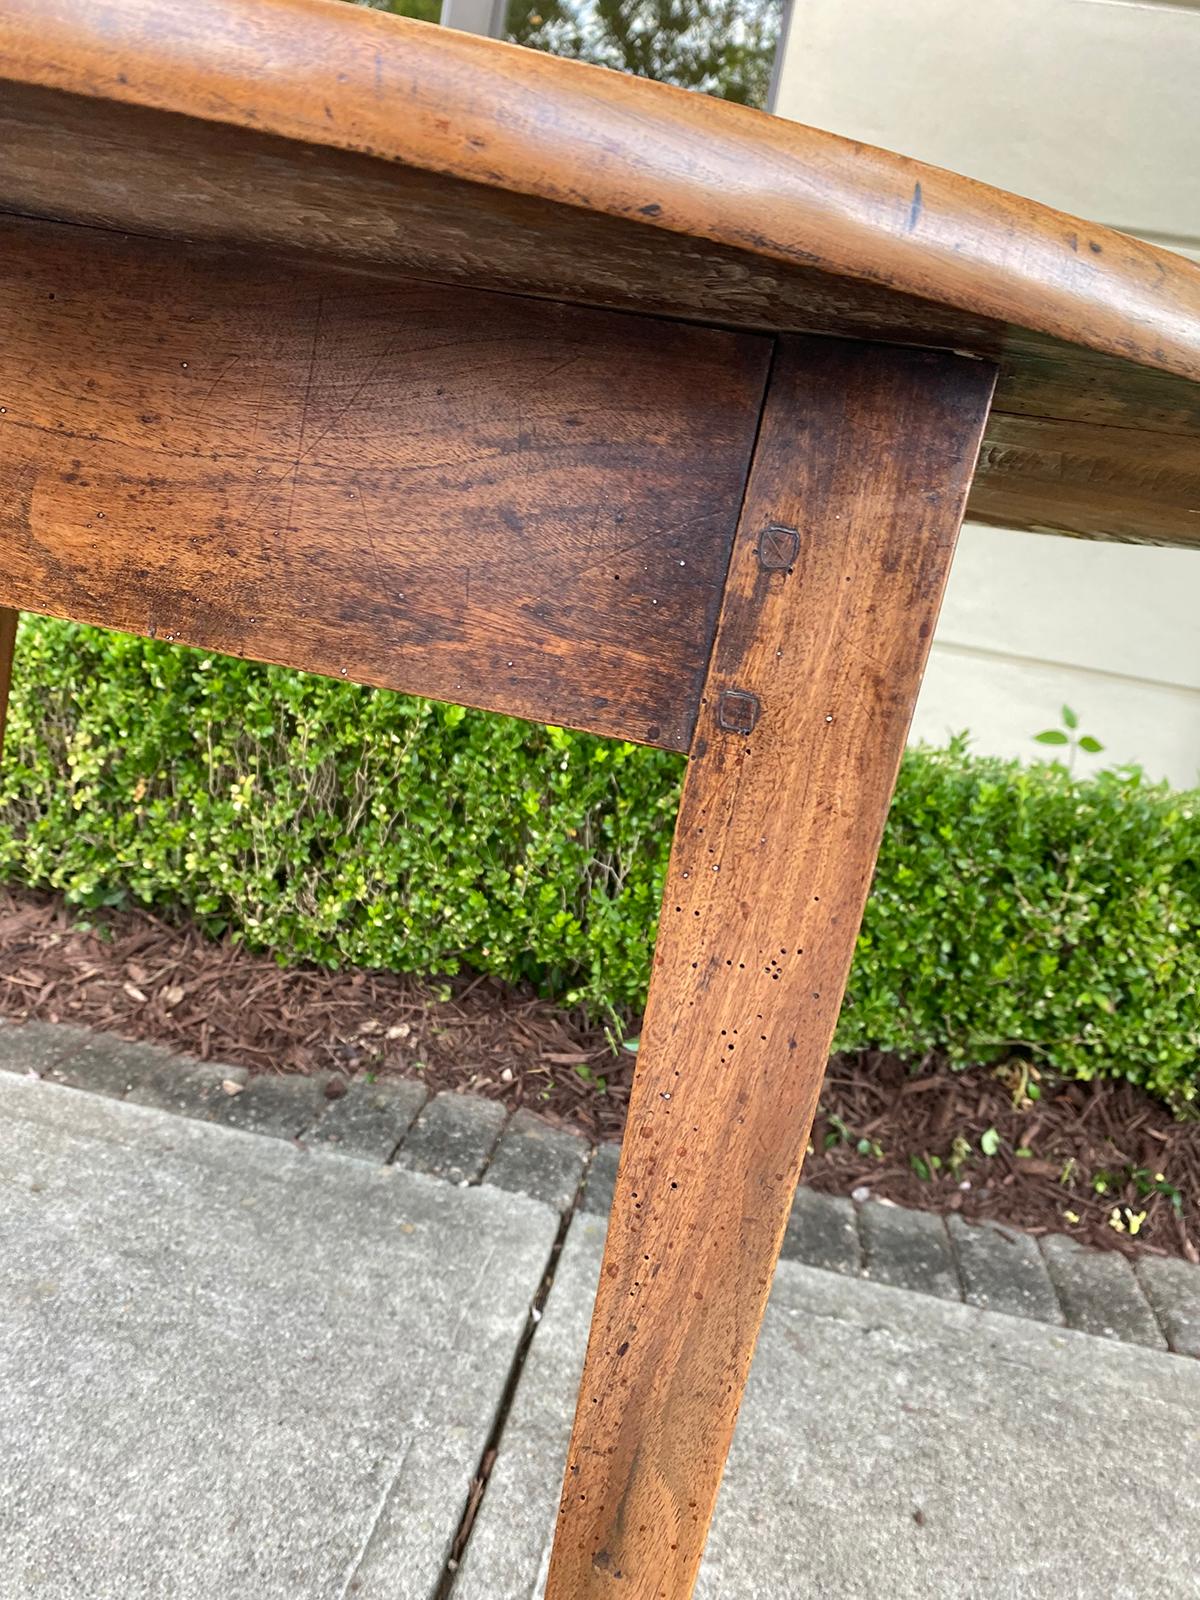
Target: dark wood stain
[(124, 166), (474, 497), (1138, 486), (520, 124), (867, 453)]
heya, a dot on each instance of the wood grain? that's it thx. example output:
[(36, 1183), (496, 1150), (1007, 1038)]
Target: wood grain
[(507, 122), (855, 496), (474, 497), (113, 164), (1137, 486), (164, 174)]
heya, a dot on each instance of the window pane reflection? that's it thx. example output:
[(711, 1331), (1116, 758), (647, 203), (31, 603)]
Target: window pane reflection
[(720, 47), (422, 10)]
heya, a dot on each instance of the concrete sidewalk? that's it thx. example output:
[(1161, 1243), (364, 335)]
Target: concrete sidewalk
[(233, 1368), (897, 1446)]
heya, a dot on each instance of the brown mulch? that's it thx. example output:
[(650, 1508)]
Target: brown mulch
[(134, 975), (1091, 1155), (1080, 1159)]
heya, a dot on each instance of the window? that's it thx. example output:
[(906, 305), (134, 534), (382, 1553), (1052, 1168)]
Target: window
[(720, 47)]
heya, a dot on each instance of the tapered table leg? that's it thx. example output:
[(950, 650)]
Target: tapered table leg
[(852, 509)]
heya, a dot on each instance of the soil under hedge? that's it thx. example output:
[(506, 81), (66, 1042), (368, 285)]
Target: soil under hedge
[(1090, 1154)]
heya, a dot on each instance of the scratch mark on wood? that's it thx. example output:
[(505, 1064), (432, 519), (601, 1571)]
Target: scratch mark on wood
[(217, 381), (308, 388), (914, 211)]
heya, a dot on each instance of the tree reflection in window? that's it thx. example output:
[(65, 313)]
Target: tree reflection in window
[(721, 47), (421, 10)]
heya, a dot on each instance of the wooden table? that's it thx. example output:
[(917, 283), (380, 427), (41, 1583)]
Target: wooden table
[(421, 360)]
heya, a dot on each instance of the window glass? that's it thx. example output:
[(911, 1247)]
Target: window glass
[(721, 47), (423, 10)]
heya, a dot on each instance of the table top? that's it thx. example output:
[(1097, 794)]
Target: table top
[(392, 147)]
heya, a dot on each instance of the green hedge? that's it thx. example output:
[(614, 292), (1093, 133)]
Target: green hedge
[(1012, 906)]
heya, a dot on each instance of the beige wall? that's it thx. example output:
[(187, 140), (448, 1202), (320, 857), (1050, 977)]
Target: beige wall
[(1093, 106)]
